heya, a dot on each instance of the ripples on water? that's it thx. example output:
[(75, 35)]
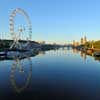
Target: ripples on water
[(63, 74)]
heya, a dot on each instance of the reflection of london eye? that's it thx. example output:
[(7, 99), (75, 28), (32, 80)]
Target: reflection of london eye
[(20, 33), (19, 68)]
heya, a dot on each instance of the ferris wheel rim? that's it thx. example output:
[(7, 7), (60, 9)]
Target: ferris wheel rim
[(12, 24)]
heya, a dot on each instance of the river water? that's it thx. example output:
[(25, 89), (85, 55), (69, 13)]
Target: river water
[(63, 74)]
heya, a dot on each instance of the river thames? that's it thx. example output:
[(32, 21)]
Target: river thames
[(63, 74)]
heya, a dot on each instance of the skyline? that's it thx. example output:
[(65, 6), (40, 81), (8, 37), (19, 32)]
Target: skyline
[(56, 20)]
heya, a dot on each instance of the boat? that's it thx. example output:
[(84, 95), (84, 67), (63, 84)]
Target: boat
[(2, 54), (97, 54)]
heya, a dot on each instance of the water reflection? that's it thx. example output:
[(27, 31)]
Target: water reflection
[(75, 50), (85, 54), (58, 52), (59, 74), (41, 53), (24, 71)]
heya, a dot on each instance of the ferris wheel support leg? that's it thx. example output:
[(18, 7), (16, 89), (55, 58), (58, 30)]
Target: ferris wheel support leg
[(12, 45)]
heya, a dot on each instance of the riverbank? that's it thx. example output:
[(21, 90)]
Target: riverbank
[(90, 51), (32, 49), (6, 44)]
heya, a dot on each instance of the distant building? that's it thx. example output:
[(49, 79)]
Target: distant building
[(83, 40), (75, 43), (41, 42)]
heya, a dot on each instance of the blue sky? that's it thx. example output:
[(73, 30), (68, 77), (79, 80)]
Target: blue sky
[(56, 20)]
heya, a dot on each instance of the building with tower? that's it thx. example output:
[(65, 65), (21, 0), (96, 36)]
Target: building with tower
[(83, 40)]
